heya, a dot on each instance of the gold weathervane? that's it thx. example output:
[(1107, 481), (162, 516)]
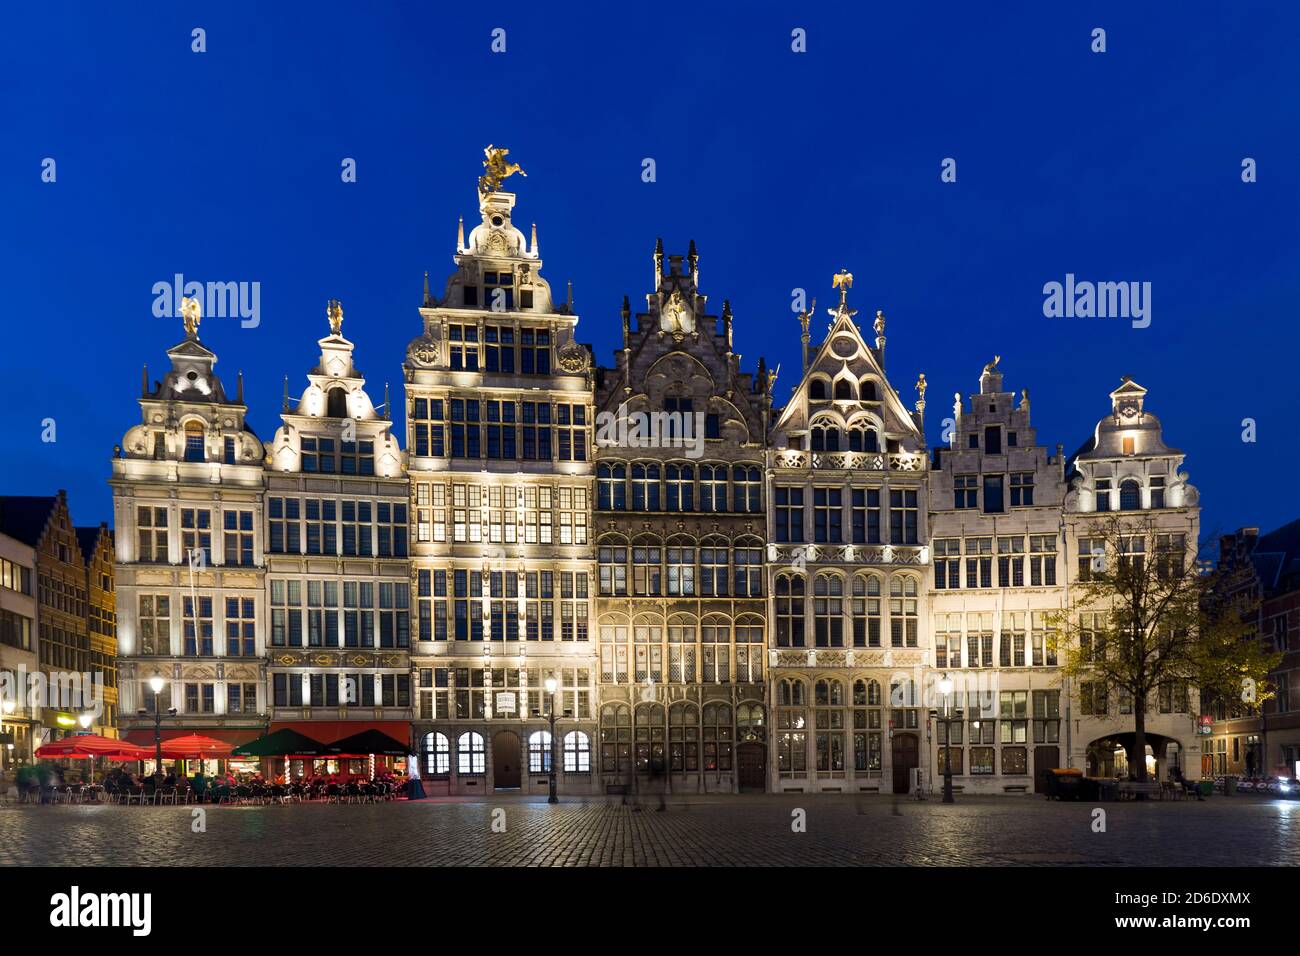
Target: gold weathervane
[(335, 312), (498, 170), (191, 315)]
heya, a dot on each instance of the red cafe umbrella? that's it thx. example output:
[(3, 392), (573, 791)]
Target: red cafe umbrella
[(92, 745), (195, 747)]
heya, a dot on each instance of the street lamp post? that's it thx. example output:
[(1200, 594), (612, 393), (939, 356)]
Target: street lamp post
[(156, 684), (550, 702), (945, 688)]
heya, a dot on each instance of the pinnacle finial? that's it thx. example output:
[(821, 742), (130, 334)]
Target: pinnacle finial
[(334, 311), (843, 280), (191, 315)]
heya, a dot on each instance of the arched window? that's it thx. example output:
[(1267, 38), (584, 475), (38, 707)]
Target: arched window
[(649, 651), (539, 752), (867, 720), (791, 729), (647, 572), (613, 569), (903, 702), (645, 487), (867, 391), (437, 755), (825, 437), (828, 701), (866, 611), (681, 567), (679, 485), (746, 489), (717, 737), (844, 390), (713, 568), (713, 488), (902, 611), (615, 739), (471, 755), (194, 445), (683, 738), (681, 650), (750, 724), (648, 735), (791, 693), (336, 403), (828, 610), (577, 752), (789, 611), (611, 486), (750, 648), (747, 555), (1130, 495), (817, 390)]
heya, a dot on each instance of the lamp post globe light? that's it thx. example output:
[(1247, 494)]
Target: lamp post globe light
[(551, 684), (156, 684), (945, 688)]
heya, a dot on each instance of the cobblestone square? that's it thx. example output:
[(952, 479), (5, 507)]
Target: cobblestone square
[(702, 831)]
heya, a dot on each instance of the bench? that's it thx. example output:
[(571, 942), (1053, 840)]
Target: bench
[(1131, 790), (1015, 788)]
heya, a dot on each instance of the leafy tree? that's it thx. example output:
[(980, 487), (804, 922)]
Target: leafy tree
[(1146, 616)]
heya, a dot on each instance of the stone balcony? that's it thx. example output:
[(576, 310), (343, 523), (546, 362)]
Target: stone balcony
[(850, 460)]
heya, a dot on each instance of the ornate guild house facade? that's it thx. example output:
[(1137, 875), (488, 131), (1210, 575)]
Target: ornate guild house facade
[(847, 525), (995, 500), (190, 569), (680, 532), (338, 559), (498, 403)]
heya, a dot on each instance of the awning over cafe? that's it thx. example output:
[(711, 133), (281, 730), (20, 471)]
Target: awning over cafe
[(234, 737), (368, 742), (282, 743), (329, 731)]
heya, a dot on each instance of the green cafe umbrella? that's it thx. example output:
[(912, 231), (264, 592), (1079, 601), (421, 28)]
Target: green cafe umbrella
[(368, 742), (285, 742)]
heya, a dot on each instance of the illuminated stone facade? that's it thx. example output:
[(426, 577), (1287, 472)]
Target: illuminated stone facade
[(680, 532), (338, 558), (190, 571), (498, 406)]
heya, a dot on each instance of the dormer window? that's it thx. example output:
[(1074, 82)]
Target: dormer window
[(817, 390), (1128, 445), (336, 403), (843, 391), (228, 451), (868, 390), (159, 446), (499, 291), (1157, 492), (194, 449)]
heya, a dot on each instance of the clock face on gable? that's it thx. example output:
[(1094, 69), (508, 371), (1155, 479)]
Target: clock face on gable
[(1128, 410)]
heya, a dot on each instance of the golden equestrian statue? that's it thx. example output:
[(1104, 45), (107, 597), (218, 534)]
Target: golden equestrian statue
[(191, 315), (497, 170)]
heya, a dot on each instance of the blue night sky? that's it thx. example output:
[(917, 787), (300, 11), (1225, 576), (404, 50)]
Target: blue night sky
[(783, 167)]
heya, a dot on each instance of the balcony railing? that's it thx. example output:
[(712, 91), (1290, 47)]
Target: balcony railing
[(851, 460)]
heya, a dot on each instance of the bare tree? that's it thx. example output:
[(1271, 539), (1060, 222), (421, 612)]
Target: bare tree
[(1145, 616)]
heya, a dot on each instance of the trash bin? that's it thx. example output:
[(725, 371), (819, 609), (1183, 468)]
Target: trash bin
[(1229, 786), (1207, 787)]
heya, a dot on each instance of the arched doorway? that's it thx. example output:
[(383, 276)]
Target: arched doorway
[(906, 757), (505, 761), (1114, 756)]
